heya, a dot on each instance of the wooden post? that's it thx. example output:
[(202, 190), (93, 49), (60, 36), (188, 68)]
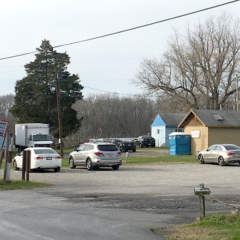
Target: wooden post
[(28, 163), (24, 165), (202, 206)]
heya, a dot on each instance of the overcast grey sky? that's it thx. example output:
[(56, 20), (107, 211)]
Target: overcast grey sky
[(104, 65)]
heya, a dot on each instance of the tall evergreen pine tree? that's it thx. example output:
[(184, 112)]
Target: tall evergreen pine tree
[(35, 99)]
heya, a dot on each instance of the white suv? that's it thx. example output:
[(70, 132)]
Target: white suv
[(95, 155)]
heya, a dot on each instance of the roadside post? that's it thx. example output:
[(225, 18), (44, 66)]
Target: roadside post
[(3, 132), (126, 156), (7, 167), (26, 165), (201, 191)]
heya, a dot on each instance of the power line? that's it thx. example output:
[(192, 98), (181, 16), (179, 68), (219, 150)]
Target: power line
[(128, 29), (109, 92)]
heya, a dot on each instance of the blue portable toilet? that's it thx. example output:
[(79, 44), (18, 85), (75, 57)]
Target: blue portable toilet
[(179, 143)]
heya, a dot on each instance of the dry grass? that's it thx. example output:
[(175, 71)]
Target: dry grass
[(214, 227), (190, 233)]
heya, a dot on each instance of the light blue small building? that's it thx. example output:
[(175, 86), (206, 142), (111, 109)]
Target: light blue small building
[(163, 125)]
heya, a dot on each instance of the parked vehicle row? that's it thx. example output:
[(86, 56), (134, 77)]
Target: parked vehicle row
[(91, 155), (128, 144)]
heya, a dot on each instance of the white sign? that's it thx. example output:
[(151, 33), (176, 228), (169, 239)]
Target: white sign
[(195, 134)]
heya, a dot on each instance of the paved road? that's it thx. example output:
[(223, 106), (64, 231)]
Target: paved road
[(108, 204)]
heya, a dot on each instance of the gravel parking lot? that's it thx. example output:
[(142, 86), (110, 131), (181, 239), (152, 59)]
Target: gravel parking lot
[(140, 182), (139, 197)]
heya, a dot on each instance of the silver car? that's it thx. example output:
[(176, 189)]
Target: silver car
[(220, 153), (95, 155)]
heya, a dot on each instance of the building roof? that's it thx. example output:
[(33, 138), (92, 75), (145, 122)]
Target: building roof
[(215, 118), (172, 119), (168, 119)]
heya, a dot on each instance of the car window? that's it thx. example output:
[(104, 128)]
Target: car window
[(211, 148), (88, 147), (231, 147), (44, 151), (81, 147), (107, 148), (218, 148)]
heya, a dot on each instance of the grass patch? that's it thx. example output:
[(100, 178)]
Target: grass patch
[(135, 160), (159, 159), (214, 227), (16, 184), (156, 149), (138, 160), (65, 162)]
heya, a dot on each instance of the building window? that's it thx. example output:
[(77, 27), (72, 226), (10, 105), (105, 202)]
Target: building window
[(158, 131)]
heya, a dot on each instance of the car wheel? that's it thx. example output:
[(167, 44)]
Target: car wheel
[(221, 161), (201, 159), (15, 167), (71, 163), (115, 167), (134, 150), (89, 165), (96, 167), (58, 169)]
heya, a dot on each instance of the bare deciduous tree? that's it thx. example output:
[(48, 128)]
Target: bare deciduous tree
[(201, 68), (6, 102), (106, 116)]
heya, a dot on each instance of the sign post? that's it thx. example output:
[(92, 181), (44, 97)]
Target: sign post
[(7, 166), (3, 131)]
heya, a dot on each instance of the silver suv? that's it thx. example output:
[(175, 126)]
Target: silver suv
[(95, 155)]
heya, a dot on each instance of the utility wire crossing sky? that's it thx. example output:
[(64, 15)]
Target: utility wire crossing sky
[(127, 30)]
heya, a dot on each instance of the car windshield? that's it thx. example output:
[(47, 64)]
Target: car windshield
[(231, 147), (128, 143), (107, 148), (148, 138), (45, 151), (41, 137)]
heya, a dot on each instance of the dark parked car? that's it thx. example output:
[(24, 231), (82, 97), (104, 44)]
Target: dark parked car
[(146, 141), (125, 146)]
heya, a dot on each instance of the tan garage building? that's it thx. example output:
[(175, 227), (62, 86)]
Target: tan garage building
[(209, 127)]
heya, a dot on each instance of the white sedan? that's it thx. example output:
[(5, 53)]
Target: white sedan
[(41, 158)]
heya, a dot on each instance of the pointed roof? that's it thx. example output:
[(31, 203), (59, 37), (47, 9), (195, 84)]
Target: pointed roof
[(214, 118), (168, 119)]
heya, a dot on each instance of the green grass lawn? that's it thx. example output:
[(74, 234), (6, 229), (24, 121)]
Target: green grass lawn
[(150, 160), (159, 159), (16, 184), (214, 227)]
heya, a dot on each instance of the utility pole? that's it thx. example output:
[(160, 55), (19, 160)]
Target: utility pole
[(237, 94), (7, 167), (59, 113)]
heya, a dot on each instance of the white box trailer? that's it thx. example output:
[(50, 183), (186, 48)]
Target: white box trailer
[(32, 135)]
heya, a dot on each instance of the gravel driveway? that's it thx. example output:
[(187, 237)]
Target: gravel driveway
[(133, 199), (140, 182)]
